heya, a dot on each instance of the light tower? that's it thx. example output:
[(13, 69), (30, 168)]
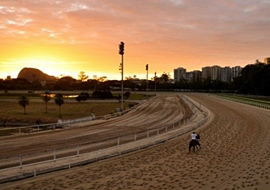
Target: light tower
[(147, 81), (121, 52)]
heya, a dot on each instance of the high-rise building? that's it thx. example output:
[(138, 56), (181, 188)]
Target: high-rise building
[(197, 75), (8, 77), (215, 75), (189, 76), (225, 74), (179, 74), (236, 71), (206, 72), (267, 60)]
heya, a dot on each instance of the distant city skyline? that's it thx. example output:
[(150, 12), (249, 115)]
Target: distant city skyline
[(66, 37), (180, 69), (215, 72), (179, 72)]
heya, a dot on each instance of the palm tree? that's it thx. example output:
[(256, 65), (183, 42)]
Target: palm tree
[(58, 99), (46, 98), (23, 101)]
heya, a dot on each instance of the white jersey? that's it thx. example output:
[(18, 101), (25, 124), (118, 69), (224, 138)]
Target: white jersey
[(193, 136)]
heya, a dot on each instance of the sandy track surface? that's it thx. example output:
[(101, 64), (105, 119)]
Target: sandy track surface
[(234, 155), (157, 112)]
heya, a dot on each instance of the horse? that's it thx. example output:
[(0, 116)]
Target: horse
[(194, 144)]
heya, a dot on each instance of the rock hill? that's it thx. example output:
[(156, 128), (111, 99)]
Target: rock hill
[(32, 74)]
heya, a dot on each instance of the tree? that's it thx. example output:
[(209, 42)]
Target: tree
[(46, 98), (101, 79), (23, 101), (65, 83), (83, 96), (250, 79), (126, 95), (165, 77), (59, 100), (82, 77)]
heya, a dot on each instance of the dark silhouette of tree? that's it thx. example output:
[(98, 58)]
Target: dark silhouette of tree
[(46, 98), (23, 101), (83, 96), (250, 79), (59, 100), (65, 83), (262, 81), (102, 94), (126, 95), (82, 77), (165, 77)]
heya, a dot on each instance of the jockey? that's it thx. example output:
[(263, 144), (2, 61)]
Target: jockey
[(193, 136)]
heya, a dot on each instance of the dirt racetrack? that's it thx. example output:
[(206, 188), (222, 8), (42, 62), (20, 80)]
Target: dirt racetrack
[(157, 112), (234, 155)]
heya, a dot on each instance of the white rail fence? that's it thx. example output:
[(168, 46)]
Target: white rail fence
[(60, 124), (99, 150), (264, 105)]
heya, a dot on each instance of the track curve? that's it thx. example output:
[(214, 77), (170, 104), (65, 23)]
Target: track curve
[(158, 111), (235, 154)]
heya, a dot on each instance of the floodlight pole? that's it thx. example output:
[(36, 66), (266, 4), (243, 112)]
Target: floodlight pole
[(147, 81), (121, 52), (122, 83), (155, 82)]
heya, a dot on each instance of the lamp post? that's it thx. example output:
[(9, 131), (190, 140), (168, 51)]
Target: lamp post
[(147, 81), (121, 52), (155, 82)]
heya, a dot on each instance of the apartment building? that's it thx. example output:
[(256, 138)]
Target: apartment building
[(236, 71), (225, 74), (267, 60), (179, 74)]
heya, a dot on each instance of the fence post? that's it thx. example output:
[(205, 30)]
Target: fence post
[(118, 141), (135, 136), (78, 150), (54, 155), (21, 162)]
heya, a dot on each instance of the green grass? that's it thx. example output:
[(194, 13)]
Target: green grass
[(13, 112), (248, 99), (37, 94)]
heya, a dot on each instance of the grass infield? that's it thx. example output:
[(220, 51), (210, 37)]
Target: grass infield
[(12, 112)]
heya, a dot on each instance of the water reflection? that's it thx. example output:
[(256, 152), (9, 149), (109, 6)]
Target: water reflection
[(64, 96)]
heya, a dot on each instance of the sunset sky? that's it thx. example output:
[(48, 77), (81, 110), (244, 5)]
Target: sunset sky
[(64, 37)]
